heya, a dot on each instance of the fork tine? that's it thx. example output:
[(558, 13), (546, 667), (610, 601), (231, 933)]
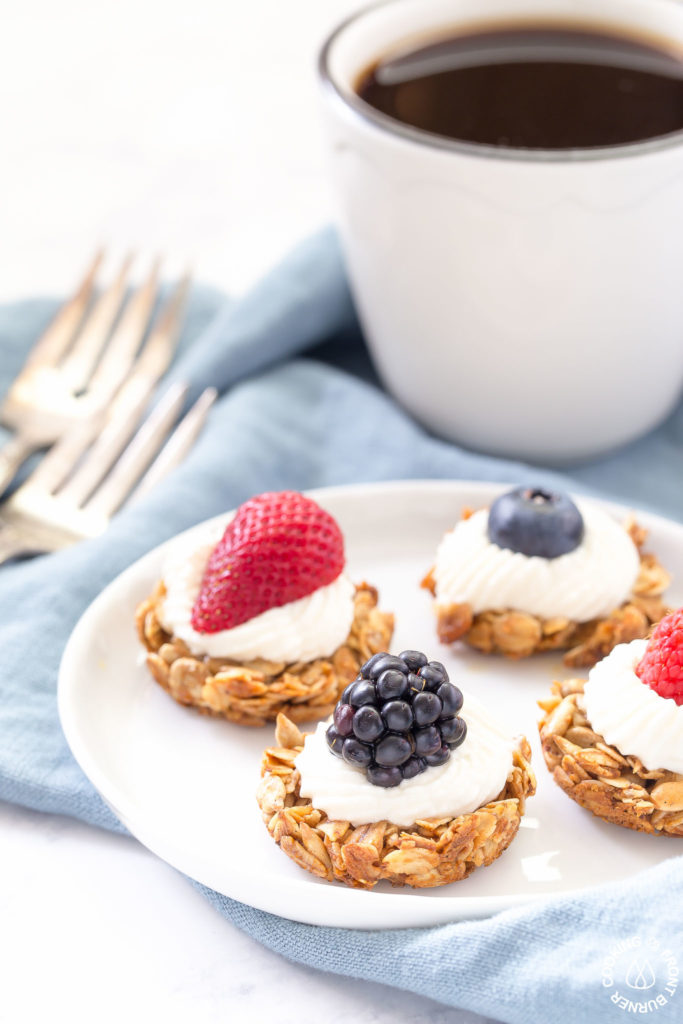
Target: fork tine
[(121, 421), (78, 364), (64, 456), (134, 393), (119, 354), (138, 454), (60, 333), (177, 446), (158, 350)]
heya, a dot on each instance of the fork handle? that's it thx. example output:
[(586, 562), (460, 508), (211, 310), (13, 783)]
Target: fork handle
[(13, 454)]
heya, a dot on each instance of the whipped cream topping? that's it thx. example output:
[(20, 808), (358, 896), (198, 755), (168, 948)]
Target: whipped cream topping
[(303, 630), (584, 584), (631, 715), (474, 774)]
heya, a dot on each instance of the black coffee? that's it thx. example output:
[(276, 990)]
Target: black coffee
[(533, 88)]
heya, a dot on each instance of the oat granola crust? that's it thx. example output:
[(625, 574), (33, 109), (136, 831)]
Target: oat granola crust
[(433, 851), (254, 692), (519, 635), (614, 786)]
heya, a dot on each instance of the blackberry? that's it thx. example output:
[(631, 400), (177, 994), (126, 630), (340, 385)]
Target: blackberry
[(381, 664), (367, 724), (453, 731), (413, 659), (356, 753), (427, 741), (416, 684), (427, 708), (344, 699), (392, 684), (451, 699), (393, 750), (399, 717), (334, 741), (439, 756), (343, 719), (362, 693), (434, 675), (385, 777), (413, 766)]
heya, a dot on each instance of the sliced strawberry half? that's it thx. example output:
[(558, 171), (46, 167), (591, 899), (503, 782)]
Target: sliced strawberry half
[(279, 547)]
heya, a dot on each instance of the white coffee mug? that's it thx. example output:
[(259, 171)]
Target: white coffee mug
[(524, 303)]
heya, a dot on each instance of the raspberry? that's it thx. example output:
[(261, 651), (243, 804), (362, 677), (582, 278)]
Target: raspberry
[(278, 548), (661, 667)]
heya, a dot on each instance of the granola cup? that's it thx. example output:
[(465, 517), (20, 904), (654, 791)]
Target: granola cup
[(614, 786), (433, 851), (255, 692), (517, 634)]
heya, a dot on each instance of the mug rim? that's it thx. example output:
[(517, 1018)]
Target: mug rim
[(373, 118)]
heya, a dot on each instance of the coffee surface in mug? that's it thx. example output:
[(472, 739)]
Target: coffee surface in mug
[(532, 88)]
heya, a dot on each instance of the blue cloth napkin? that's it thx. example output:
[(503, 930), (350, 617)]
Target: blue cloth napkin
[(288, 420)]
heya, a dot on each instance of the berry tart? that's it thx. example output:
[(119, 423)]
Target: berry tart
[(400, 786), (538, 572), (614, 742), (259, 617)]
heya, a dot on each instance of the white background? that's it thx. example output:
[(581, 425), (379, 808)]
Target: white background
[(189, 129)]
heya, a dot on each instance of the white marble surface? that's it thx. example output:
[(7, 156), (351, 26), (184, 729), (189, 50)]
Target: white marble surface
[(190, 129), (96, 928)]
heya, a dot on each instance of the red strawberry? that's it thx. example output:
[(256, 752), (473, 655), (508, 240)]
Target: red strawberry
[(661, 667), (278, 548)]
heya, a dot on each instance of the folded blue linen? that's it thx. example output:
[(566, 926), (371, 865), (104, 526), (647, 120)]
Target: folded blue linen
[(300, 407)]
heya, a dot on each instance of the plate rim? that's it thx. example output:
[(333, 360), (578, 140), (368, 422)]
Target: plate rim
[(453, 907)]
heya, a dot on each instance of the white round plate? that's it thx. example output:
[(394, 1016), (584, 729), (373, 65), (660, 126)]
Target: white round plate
[(184, 783)]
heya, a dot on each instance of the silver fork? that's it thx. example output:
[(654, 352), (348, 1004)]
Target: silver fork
[(84, 479), (82, 359)]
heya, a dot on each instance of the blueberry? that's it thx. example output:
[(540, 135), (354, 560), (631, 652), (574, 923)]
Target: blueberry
[(385, 662), (397, 715), (357, 754), (362, 693), (393, 750), (416, 684), (426, 708), (413, 766), (427, 740), (451, 698), (367, 724), (392, 684), (453, 731), (413, 659), (534, 521), (432, 676), (439, 756), (365, 669), (385, 777), (343, 719), (334, 740)]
